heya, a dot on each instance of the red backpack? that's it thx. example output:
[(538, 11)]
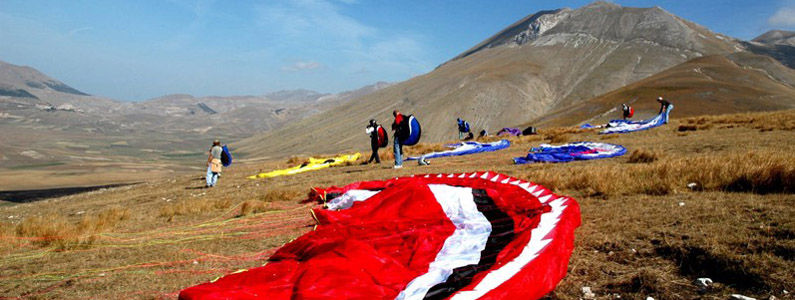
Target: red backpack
[(383, 138), (631, 112)]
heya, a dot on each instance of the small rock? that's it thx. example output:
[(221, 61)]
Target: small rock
[(703, 284), (772, 298), (649, 298), (80, 212), (195, 262), (692, 186), (587, 293), (101, 275), (634, 251), (681, 204), (741, 297)]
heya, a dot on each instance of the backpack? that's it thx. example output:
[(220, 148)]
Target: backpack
[(410, 131), (383, 138), (529, 131), (226, 156), (631, 112), (463, 126)]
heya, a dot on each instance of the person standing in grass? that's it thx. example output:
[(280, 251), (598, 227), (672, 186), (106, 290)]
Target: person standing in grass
[(463, 128), (665, 106), (397, 148), (372, 131), (214, 164)]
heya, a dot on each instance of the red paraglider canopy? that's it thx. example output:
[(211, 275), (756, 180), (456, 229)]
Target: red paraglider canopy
[(441, 236)]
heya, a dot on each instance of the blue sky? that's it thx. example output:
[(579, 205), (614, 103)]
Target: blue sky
[(136, 50)]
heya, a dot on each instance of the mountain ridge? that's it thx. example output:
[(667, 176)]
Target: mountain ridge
[(542, 63)]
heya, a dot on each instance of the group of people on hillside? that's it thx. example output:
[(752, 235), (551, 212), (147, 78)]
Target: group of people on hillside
[(666, 106), (379, 139)]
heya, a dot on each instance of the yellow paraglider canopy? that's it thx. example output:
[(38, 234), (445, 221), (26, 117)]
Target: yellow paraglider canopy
[(311, 165)]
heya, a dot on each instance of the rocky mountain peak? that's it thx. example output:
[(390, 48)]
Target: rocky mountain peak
[(602, 4), (777, 37), (607, 22)]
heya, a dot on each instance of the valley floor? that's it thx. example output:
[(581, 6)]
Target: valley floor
[(644, 232)]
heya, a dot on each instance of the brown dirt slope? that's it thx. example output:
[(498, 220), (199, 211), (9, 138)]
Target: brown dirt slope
[(644, 232), (707, 85)]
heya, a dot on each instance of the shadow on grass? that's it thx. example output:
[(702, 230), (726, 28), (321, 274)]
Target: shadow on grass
[(25, 196)]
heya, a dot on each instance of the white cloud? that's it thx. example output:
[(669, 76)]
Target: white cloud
[(302, 66), (783, 17), (78, 30), (306, 19), (320, 30)]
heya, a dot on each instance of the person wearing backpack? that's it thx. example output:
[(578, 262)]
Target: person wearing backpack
[(214, 164), (397, 127), (665, 106), (628, 111), (377, 135), (463, 128)]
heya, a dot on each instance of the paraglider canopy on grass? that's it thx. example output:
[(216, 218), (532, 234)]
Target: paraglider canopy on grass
[(440, 236)]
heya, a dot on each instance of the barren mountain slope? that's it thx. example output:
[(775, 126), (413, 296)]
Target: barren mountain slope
[(544, 62), (712, 84)]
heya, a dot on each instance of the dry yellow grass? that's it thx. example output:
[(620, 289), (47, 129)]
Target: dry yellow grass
[(193, 206), (56, 230), (644, 232), (297, 159), (643, 156)]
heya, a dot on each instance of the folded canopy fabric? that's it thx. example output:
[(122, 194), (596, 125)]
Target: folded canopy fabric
[(624, 126), (311, 165), (465, 148), (441, 236), (510, 131), (570, 152)]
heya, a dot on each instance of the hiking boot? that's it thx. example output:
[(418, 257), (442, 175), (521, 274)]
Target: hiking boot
[(397, 167)]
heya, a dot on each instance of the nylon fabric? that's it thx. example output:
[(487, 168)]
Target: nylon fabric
[(462, 248), (312, 165), (625, 126), (571, 152), (466, 148), (479, 235)]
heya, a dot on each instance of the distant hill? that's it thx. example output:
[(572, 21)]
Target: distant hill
[(541, 64), (50, 127), (776, 37), (27, 86)]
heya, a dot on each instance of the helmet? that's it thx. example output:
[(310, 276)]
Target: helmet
[(659, 98)]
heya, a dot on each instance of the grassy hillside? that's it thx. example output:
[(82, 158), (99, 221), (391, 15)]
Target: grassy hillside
[(644, 232)]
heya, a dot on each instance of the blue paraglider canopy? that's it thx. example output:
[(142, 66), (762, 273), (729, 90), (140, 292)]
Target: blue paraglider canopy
[(570, 152)]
